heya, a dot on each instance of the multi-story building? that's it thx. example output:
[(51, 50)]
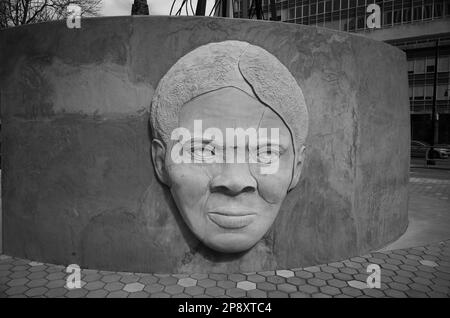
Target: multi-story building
[(419, 27)]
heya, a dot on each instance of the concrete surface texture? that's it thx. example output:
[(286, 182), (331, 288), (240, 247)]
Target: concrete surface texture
[(78, 182)]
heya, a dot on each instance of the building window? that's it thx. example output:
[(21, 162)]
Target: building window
[(406, 14), (387, 18), (398, 16), (428, 11), (299, 11), (443, 63), (429, 92), (328, 6), (430, 65), (442, 92), (320, 7), (410, 66), (417, 13), (313, 8), (336, 5), (419, 66), (344, 4), (418, 92), (437, 9)]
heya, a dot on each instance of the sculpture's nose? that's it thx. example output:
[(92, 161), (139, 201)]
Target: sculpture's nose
[(234, 179)]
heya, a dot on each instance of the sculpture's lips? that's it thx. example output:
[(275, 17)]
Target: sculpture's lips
[(232, 220)]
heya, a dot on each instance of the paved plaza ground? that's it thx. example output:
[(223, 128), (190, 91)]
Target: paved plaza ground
[(416, 265)]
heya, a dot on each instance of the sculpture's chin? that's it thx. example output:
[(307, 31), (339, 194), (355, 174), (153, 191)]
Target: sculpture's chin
[(230, 242)]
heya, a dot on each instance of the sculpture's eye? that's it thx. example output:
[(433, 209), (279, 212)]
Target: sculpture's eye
[(268, 154), (202, 151)]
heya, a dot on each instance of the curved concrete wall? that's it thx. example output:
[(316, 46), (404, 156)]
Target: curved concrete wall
[(78, 183)]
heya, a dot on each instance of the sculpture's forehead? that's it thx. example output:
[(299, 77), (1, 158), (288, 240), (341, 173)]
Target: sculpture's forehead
[(230, 108)]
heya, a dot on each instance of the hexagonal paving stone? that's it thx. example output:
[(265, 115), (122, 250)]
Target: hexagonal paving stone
[(215, 291), (111, 278), (92, 277), (226, 284), (316, 282), (373, 292), (118, 294), (35, 264), (267, 273), (18, 282), (323, 275), (304, 274), (160, 295), (131, 278), (217, 277), (276, 279), (154, 288), (37, 275), (395, 293), (19, 274), (16, 290), (337, 283), (113, 286), (256, 278), (133, 287), (94, 285), (285, 273), (236, 277), (266, 286), (206, 283), (299, 295), (277, 294), (37, 291), (416, 294), (350, 291), (308, 289), (320, 295), (246, 285), (56, 292), (187, 282), (76, 293), (173, 289), (141, 294), (287, 288), (235, 292), (428, 263), (296, 281), (194, 290), (169, 280), (148, 279), (55, 283), (256, 293), (330, 269), (99, 293), (330, 290)]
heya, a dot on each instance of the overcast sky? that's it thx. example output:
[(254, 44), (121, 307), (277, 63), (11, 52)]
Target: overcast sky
[(157, 7)]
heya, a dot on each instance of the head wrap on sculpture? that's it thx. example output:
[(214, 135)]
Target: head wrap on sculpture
[(229, 64)]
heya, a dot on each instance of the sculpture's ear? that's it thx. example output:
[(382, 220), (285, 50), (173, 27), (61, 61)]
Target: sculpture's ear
[(159, 162), (298, 166)]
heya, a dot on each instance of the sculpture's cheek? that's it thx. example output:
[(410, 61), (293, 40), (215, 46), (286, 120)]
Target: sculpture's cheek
[(273, 188), (189, 183)]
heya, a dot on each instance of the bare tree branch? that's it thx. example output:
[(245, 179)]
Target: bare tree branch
[(18, 12)]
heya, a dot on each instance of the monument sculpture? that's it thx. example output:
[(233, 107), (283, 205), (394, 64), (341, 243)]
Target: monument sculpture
[(198, 145), (230, 85)]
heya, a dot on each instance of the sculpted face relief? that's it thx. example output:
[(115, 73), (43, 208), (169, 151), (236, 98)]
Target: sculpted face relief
[(228, 201)]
